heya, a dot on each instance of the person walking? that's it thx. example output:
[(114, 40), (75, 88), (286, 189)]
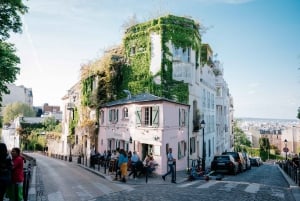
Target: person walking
[(5, 170), (122, 164), (134, 161), (16, 191), (171, 161)]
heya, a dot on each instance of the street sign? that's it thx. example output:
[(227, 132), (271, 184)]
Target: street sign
[(285, 149)]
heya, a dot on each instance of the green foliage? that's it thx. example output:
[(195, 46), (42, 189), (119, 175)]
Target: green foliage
[(36, 141), (10, 20), (298, 115), (73, 123), (241, 142), (50, 123), (264, 144), (16, 109), (182, 32)]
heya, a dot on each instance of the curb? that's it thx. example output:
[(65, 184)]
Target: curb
[(294, 187)]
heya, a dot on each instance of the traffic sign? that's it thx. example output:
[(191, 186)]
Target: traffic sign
[(285, 149)]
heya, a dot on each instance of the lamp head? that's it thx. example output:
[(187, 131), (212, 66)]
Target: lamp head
[(202, 124)]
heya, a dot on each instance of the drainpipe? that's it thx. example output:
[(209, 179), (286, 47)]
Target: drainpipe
[(188, 142)]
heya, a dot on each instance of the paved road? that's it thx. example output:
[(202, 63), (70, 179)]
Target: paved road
[(63, 181), (260, 184)]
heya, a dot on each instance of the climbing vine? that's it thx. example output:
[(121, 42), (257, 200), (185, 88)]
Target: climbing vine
[(128, 66)]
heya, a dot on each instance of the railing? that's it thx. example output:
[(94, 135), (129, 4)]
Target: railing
[(27, 175), (291, 169)]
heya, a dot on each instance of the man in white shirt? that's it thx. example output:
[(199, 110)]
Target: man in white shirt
[(171, 161)]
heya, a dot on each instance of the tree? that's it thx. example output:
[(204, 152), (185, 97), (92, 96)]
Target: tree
[(241, 141), (298, 115), (10, 20), (264, 144), (16, 109)]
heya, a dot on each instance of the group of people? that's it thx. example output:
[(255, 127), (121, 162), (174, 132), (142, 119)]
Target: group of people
[(11, 174), (123, 161), (130, 161)]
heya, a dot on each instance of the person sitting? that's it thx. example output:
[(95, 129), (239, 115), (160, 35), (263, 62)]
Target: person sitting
[(151, 165)]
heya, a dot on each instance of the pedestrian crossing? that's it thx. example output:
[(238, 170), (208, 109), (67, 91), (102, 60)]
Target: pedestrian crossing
[(229, 186), (81, 192)]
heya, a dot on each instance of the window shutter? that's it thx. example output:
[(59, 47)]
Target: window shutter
[(117, 115), (155, 119), (179, 114), (139, 117), (110, 115)]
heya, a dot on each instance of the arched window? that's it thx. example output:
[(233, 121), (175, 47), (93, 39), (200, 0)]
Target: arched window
[(125, 113)]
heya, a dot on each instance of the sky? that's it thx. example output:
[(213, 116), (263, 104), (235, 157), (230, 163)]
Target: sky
[(256, 41)]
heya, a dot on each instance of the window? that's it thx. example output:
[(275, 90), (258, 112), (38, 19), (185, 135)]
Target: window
[(181, 149), (147, 116), (101, 117), (192, 145), (125, 113), (113, 115), (132, 50), (182, 117), (182, 54)]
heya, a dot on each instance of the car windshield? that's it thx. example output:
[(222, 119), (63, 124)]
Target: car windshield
[(221, 158)]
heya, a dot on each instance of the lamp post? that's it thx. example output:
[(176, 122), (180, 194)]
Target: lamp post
[(202, 123), (285, 142)]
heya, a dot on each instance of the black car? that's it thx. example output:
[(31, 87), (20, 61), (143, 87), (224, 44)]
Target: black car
[(225, 164), (255, 161), (238, 157)]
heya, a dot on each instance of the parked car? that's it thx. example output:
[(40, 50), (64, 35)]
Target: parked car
[(225, 164), (259, 160), (238, 157), (247, 160), (254, 162)]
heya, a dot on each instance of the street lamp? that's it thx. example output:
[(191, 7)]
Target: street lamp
[(202, 123), (285, 142)]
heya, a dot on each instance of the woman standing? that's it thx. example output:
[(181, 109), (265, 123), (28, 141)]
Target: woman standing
[(122, 163), (5, 170), (16, 193)]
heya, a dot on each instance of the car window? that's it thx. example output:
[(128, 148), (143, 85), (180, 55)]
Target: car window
[(221, 158)]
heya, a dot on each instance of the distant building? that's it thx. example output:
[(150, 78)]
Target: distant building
[(17, 94)]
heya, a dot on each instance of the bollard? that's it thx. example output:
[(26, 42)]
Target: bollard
[(146, 173), (174, 166)]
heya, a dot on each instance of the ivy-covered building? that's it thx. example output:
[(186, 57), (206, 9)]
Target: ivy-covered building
[(164, 57)]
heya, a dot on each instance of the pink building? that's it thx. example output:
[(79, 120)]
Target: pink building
[(147, 124)]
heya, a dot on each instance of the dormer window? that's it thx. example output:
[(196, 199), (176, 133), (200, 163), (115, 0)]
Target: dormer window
[(125, 113)]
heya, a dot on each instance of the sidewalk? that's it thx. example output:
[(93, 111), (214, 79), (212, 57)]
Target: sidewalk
[(181, 176)]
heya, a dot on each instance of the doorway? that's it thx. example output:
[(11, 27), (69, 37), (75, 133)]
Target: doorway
[(146, 149)]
